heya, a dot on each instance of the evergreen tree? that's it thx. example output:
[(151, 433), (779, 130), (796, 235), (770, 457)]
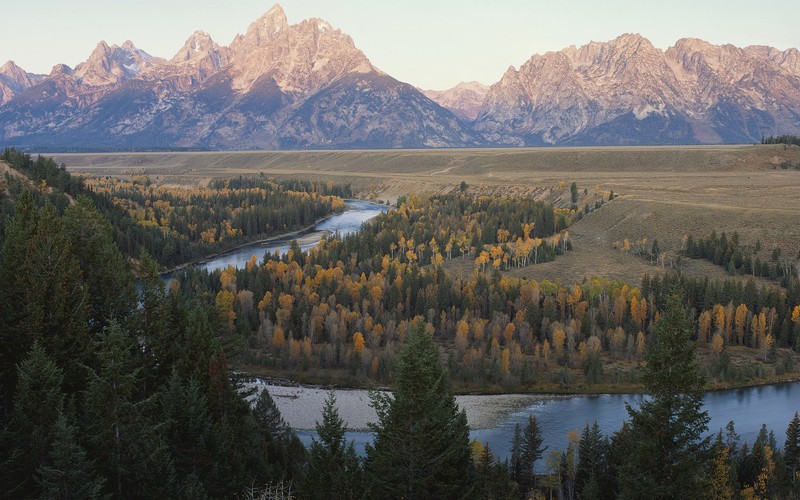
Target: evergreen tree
[(124, 440), (14, 343), (530, 450), (189, 431), (591, 476), (421, 447), (285, 454), (106, 273), (26, 441), (269, 417), (68, 473), (669, 456), (791, 451), (333, 469), (493, 477)]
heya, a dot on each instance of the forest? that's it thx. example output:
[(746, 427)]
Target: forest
[(177, 225), (113, 385), (340, 311)]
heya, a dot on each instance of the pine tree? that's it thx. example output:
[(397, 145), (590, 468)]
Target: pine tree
[(269, 417), (68, 473), (530, 451), (189, 431), (106, 273), (791, 451), (124, 440), (421, 447), (591, 479), (49, 299), (38, 401), (493, 477), (669, 456), (333, 469), (14, 343), (285, 454)]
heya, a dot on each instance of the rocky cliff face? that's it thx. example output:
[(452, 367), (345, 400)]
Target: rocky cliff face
[(14, 80), (464, 100), (277, 86), (308, 86), (628, 92)]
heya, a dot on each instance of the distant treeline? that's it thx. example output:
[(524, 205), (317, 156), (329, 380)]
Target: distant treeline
[(727, 252), (178, 225), (781, 139)]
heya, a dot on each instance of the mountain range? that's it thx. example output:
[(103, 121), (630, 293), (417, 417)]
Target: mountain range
[(307, 86)]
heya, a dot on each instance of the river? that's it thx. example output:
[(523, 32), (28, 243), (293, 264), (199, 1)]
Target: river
[(773, 405), (346, 222), (493, 418)]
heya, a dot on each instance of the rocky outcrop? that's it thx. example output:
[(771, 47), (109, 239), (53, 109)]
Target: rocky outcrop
[(14, 80)]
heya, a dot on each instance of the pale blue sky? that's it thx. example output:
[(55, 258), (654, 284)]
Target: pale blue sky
[(428, 43)]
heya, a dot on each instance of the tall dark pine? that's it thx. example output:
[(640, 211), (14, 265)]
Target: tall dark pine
[(25, 443), (285, 454), (526, 450), (791, 452), (106, 272), (123, 439), (421, 447), (68, 473), (592, 470), (333, 468), (45, 298), (14, 342), (669, 455)]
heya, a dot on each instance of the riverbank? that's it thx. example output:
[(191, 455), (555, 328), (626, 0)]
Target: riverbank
[(538, 389), (304, 236), (492, 417), (301, 406)]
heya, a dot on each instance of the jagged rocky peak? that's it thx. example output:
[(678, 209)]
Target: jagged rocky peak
[(268, 26), (60, 69), (198, 46), (464, 100), (114, 64), (14, 80), (301, 58), (11, 70)]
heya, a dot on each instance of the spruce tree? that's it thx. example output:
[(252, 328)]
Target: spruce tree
[(530, 450), (189, 432), (421, 447), (333, 468), (26, 441), (14, 343), (125, 441), (68, 473), (791, 451), (669, 456), (285, 454), (591, 476), (106, 273)]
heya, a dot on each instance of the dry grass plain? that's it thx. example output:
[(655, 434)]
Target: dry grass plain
[(663, 192)]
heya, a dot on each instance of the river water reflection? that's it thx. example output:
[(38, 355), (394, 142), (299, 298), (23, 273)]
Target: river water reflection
[(773, 405), (346, 222)]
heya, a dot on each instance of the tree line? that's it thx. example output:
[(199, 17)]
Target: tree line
[(737, 258), (781, 139), (178, 225)]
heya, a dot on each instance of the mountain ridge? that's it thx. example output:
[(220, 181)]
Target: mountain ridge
[(308, 86)]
